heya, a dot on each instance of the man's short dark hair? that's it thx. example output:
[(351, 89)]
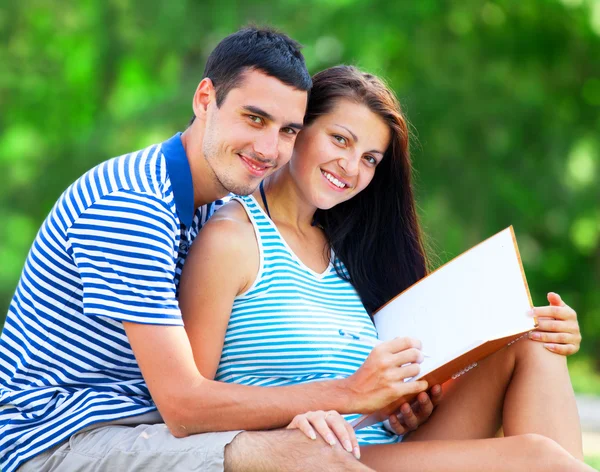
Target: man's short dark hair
[(264, 49)]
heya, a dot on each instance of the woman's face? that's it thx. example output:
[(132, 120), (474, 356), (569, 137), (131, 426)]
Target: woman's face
[(336, 156)]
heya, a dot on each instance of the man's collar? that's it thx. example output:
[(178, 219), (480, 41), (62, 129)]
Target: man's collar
[(180, 174)]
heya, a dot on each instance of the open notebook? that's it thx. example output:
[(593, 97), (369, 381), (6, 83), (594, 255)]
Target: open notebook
[(464, 311)]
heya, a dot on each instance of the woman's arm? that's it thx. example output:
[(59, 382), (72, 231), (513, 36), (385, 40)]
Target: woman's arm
[(222, 263)]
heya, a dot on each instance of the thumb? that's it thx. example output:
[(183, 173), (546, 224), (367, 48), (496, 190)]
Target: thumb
[(555, 300)]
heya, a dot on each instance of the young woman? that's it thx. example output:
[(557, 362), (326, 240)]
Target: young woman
[(331, 237)]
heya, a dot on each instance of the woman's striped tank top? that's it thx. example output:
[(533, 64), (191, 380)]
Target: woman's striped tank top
[(284, 330)]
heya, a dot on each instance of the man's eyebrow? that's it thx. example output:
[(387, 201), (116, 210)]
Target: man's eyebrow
[(297, 126), (268, 116), (258, 111)]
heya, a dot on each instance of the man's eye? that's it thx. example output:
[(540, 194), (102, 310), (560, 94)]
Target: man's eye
[(255, 119), (290, 131), (340, 139)]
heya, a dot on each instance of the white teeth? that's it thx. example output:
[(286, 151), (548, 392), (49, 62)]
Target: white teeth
[(255, 167), (333, 180)]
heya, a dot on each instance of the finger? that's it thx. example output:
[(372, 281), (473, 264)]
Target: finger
[(408, 417), (410, 388), (303, 425), (436, 394), (398, 427), (562, 349), (408, 356), (337, 425), (557, 312), (557, 326), (425, 407), (353, 440), (400, 344), (555, 299), (407, 371), (317, 420), (554, 338)]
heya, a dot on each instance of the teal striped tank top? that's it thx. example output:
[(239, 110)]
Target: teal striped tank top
[(284, 330)]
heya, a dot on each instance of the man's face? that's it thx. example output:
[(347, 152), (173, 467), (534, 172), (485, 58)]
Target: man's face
[(252, 134)]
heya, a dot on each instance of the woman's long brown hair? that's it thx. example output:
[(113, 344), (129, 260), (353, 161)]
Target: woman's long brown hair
[(376, 234)]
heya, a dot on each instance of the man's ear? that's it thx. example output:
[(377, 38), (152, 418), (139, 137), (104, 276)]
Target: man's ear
[(205, 94)]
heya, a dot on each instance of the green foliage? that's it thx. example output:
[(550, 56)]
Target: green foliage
[(593, 461), (585, 379), (504, 98)]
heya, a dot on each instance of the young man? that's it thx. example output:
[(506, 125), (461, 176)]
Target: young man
[(94, 326), (94, 342)]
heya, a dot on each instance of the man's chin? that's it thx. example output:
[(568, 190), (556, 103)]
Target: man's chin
[(243, 190)]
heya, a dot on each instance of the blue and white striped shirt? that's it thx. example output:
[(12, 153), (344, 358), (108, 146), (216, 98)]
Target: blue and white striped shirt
[(284, 330), (110, 251)]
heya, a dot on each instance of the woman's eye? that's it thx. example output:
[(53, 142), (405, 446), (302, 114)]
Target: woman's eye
[(340, 139), (371, 160), (290, 131), (255, 119)]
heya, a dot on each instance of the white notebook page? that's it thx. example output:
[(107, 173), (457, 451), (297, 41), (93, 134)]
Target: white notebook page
[(479, 296)]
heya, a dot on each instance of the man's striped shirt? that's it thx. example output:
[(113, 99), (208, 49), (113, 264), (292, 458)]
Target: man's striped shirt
[(110, 251)]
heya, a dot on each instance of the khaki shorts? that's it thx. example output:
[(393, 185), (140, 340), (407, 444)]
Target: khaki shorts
[(143, 447)]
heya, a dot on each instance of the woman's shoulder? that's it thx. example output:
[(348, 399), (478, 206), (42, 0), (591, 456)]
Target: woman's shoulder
[(229, 224), (227, 235), (227, 245)]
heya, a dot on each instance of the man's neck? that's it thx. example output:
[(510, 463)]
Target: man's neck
[(207, 188)]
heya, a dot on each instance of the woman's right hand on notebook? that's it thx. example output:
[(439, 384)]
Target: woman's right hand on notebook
[(331, 426), (380, 380)]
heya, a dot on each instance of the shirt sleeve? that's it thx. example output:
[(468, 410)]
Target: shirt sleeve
[(125, 246)]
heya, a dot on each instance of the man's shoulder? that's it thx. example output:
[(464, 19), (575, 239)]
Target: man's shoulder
[(143, 171), (141, 174)]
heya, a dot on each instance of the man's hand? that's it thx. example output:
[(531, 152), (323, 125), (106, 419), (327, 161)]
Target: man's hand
[(380, 380), (410, 416)]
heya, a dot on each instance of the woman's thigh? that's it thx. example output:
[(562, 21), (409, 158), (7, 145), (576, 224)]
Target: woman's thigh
[(471, 407), (527, 453)]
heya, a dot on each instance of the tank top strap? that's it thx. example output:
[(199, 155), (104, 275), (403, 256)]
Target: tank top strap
[(266, 231)]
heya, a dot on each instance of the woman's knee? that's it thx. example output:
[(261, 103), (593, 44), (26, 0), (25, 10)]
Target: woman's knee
[(547, 454)]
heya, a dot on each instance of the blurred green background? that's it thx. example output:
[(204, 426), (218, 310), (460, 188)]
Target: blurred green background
[(503, 97)]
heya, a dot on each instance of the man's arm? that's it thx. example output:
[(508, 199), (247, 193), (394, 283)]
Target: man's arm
[(190, 403), (221, 265)]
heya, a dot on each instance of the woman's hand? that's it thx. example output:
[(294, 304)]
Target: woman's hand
[(331, 426), (557, 327), (410, 416), (380, 380)]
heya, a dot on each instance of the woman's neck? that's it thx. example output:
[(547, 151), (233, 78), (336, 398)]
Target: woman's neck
[(286, 203)]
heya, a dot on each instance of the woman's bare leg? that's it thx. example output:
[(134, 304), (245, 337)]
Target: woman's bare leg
[(527, 453), (524, 388)]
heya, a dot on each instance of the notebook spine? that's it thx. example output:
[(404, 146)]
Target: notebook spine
[(519, 338), (464, 371), (474, 364)]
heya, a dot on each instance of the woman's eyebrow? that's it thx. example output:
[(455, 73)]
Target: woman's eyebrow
[(349, 131), (373, 151)]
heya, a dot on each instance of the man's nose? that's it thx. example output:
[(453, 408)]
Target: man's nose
[(267, 145)]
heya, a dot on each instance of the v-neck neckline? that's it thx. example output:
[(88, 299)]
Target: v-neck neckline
[(291, 251)]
